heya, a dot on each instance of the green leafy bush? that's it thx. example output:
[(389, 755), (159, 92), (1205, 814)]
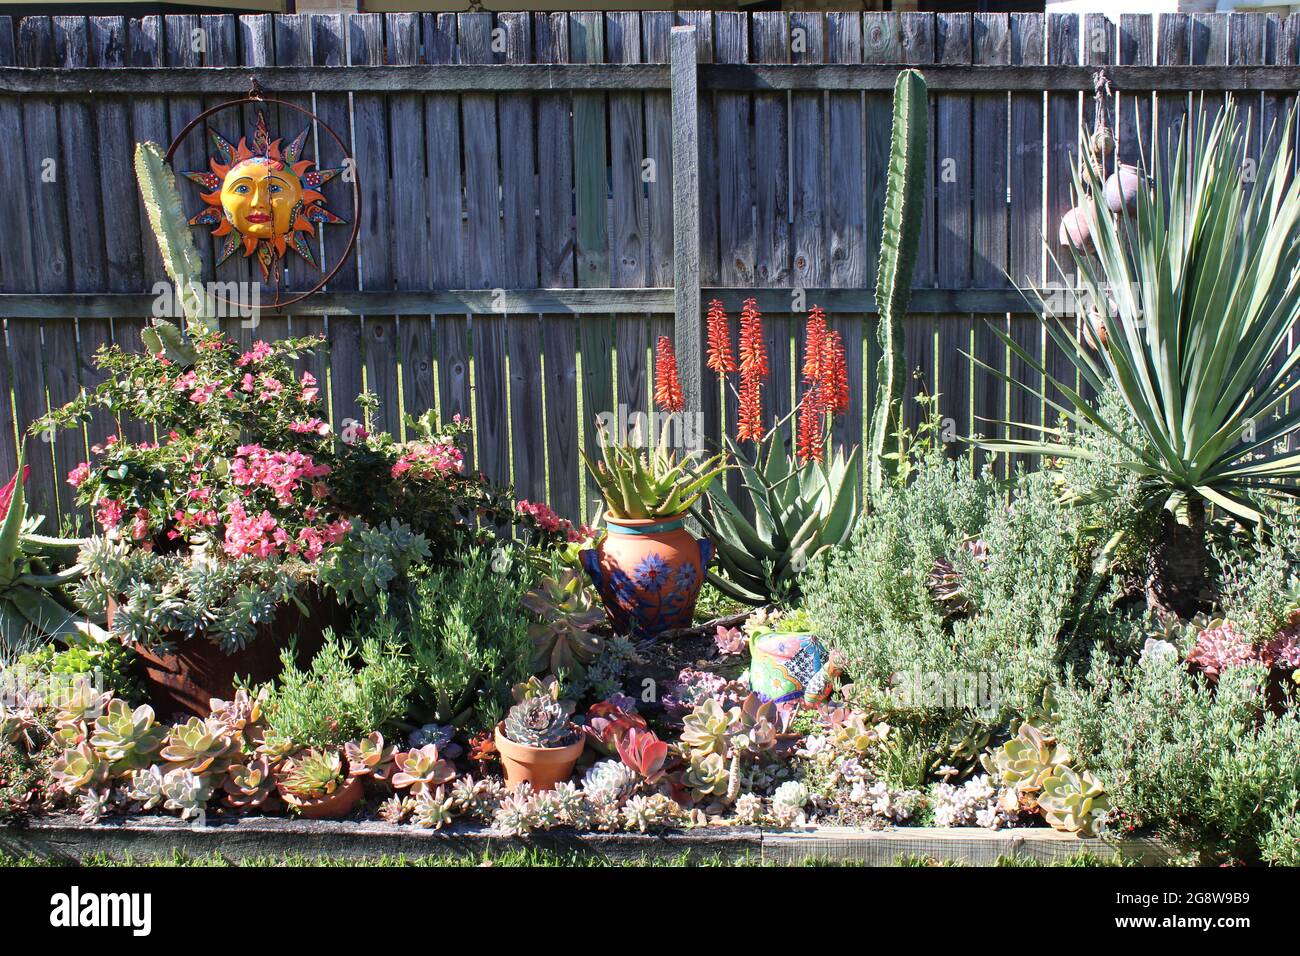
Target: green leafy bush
[(368, 559), (943, 577), (1207, 765), (348, 692), (466, 632)]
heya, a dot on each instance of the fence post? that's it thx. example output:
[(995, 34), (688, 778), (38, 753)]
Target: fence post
[(688, 333)]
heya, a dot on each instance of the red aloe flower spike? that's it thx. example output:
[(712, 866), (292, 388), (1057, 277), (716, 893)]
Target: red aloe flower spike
[(668, 386), (753, 369), (721, 359), (814, 349), (811, 440), (835, 375)]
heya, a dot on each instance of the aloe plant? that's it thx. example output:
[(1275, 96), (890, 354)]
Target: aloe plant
[(649, 484), (1196, 294), (171, 228), (899, 238), (32, 602), (799, 512)]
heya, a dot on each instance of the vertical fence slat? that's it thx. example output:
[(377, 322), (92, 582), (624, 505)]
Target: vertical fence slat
[(954, 184), (1062, 146), (1026, 235), (555, 260), (809, 197), (485, 254), (847, 215), (16, 265), (990, 264), (771, 44)]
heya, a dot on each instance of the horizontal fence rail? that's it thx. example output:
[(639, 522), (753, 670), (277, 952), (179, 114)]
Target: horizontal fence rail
[(536, 77), (545, 194)]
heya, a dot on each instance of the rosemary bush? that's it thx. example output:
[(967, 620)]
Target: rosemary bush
[(465, 632), (349, 691)]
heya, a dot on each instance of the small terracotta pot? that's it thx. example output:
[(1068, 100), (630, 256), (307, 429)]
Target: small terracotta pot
[(334, 807), (542, 767), (648, 572)]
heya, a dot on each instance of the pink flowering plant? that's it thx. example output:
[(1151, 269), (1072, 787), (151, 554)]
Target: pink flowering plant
[(242, 456)]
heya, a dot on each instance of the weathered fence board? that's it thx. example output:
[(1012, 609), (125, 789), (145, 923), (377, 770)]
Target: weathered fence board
[(520, 241)]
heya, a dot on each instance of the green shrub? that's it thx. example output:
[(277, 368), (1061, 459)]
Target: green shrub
[(347, 692), (874, 601), (1208, 766), (465, 631)]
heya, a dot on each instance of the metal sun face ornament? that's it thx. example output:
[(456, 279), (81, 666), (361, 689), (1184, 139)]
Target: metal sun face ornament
[(263, 198)]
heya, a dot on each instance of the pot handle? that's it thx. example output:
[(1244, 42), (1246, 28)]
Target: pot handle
[(591, 564), (706, 553)]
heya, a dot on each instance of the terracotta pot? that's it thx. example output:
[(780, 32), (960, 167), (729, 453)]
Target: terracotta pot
[(648, 572), (334, 807), (542, 767), (185, 681)]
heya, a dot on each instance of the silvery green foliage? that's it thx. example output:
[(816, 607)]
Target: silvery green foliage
[(369, 558), (792, 793), (1259, 579), (612, 776), (187, 792), (872, 601), (1281, 844), (604, 677), (1210, 767), (162, 598)]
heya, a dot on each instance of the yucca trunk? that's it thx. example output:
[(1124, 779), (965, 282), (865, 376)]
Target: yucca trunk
[(1176, 562)]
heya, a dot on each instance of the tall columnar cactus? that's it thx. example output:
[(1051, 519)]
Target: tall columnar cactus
[(900, 234), (172, 230)]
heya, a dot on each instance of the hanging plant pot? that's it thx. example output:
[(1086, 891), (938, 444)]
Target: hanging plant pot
[(333, 807), (648, 573), (540, 767)]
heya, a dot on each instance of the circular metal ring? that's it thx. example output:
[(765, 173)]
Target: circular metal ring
[(280, 305)]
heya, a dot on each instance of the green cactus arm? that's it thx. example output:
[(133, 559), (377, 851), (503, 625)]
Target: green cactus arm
[(172, 230), (900, 235)]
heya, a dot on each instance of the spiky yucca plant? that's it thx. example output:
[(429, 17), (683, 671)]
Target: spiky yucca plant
[(1197, 293)]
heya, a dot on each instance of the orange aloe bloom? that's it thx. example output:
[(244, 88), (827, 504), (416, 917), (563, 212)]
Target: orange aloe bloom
[(835, 375), (753, 369), (720, 358), (814, 348), (668, 386), (811, 440)]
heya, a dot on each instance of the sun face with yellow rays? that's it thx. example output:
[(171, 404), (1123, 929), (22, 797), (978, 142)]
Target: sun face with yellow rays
[(263, 198)]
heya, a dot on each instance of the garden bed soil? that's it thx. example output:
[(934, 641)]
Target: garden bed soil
[(64, 838)]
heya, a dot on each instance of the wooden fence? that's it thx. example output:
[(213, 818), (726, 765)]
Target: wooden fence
[(522, 244)]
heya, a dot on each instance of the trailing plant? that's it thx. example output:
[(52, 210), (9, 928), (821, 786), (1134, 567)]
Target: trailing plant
[(464, 631), (899, 240), (1197, 297), (349, 691), (368, 559), (802, 504)]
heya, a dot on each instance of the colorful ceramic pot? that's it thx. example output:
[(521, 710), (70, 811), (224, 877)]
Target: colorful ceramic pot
[(648, 572), (541, 767), (791, 667)]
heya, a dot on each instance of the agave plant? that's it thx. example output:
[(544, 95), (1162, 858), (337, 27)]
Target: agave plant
[(799, 511), (1197, 294)]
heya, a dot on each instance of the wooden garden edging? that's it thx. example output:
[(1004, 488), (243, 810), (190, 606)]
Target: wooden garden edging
[(65, 838)]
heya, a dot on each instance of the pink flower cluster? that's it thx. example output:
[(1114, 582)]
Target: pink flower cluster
[(259, 351), (425, 461), (1218, 648), (544, 516), (262, 536), (280, 471)]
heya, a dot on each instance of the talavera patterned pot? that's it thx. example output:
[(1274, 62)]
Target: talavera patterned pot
[(648, 572), (785, 667)]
